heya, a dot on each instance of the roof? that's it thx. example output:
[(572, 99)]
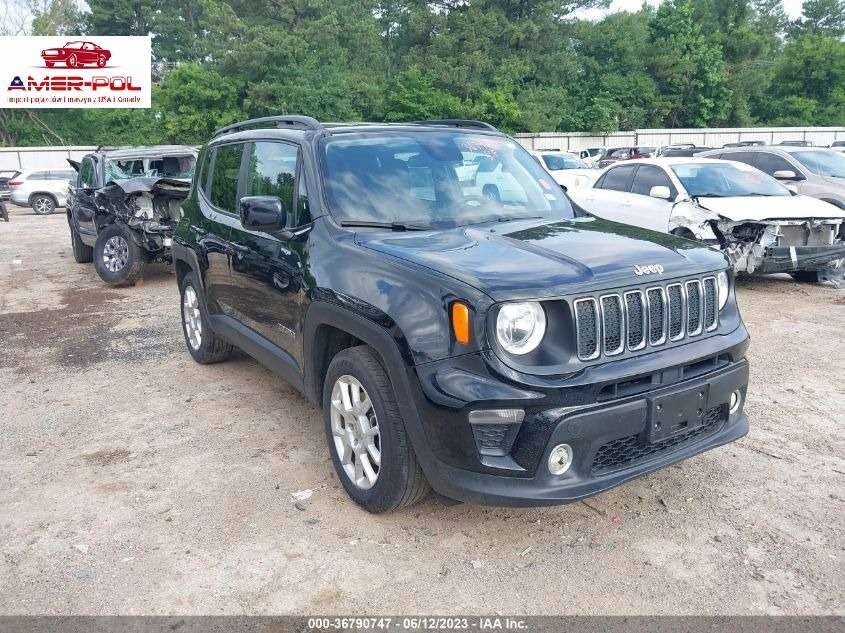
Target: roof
[(151, 151), (288, 125), (670, 160), (789, 149)]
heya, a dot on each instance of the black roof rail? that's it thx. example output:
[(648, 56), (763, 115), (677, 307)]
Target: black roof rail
[(280, 121), (470, 123)]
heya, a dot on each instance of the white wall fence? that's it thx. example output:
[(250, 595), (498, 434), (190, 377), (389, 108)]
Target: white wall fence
[(56, 157), (706, 137), (24, 158)]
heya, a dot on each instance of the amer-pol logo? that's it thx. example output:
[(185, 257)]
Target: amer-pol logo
[(651, 269), (86, 72)]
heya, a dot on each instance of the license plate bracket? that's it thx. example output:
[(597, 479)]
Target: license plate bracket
[(677, 413)]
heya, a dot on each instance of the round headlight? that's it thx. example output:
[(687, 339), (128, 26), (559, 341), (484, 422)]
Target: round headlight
[(520, 326), (723, 284)]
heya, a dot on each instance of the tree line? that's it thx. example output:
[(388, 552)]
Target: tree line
[(523, 65)]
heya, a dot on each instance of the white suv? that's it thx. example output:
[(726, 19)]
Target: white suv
[(41, 189)]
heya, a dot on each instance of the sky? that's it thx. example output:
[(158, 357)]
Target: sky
[(792, 8)]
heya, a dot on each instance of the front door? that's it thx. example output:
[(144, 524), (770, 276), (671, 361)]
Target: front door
[(82, 204), (267, 270), (646, 211)]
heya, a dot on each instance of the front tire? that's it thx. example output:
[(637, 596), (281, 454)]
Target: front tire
[(204, 346), (82, 253), (370, 449), (42, 204), (118, 259), (101, 61)]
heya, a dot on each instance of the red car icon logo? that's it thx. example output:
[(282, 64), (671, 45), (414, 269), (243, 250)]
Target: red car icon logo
[(76, 55)]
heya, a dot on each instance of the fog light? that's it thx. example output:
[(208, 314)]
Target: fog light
[(560, 459), (736, 400), (496, 416)]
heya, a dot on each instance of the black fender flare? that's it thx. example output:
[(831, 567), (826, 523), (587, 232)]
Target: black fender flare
[(388, 345), (181, 253)]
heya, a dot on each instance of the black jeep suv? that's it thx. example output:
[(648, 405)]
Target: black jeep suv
[(480, 336)]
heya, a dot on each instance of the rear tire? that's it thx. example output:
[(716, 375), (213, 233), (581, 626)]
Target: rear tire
[(204, 346), (118, 259), (42, 204), (82, 253), (806, 276), (378, 469)]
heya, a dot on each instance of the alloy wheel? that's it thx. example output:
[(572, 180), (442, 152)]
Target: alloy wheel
[(355, 432), (42, 205), (115, 253), (192, 318)]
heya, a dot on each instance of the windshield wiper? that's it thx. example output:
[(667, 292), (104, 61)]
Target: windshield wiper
[(708, 195), (393, 226)]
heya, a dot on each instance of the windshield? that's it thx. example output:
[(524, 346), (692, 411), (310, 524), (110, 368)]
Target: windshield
[(556, 162), (181, 167), (725, 180), (437, 179), (822, 163)]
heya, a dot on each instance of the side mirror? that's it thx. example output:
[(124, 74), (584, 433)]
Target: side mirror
[(661, 192), (785, 174), (263, 213)]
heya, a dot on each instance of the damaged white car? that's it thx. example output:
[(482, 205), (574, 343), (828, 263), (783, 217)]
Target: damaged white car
[(761, 225)]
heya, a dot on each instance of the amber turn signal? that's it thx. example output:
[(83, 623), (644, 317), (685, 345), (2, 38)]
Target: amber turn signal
[(460, 322)]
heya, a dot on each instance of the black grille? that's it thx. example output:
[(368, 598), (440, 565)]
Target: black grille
[(693, 307), (636, 319), (709, 303), (587, 317), (608, 324), (656, 315), (611, 309), (625, 451), (676, 311)]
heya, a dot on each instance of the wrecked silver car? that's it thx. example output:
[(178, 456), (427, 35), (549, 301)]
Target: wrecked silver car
[(124, 206), (760, 225)]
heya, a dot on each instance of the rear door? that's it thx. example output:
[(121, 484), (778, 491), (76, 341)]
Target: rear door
[(611, 196), (266, 268)]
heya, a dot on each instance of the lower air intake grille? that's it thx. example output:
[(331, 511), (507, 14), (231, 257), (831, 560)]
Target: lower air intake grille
[(626, 451)]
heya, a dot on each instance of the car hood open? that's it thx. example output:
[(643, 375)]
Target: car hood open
[(535, 259), (759, 208)]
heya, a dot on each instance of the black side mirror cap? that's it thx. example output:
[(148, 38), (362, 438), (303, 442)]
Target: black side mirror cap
[(263, 213)]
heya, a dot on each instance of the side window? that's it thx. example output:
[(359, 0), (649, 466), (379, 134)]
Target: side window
[(749, 158), (649, 176), (272, 172), (86, 174), (770, 163), (224, 180), (202, 177), (618, 178), (303, 208)]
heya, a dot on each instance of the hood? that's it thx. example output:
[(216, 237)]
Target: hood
[(838, 183), (573, 178), (758, 208), (175, 187), (532, 260)]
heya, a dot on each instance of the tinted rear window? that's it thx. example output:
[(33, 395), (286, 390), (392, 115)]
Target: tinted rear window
[(224, 180)]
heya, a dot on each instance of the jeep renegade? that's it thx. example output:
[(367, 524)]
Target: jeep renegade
[(478, 335)]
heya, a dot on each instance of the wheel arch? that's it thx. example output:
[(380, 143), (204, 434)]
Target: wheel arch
[(49, 194), (330, 328)]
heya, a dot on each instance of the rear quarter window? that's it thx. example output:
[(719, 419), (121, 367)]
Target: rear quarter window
[(224, 178)]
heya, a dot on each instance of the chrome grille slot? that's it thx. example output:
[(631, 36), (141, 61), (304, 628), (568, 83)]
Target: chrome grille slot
[(612, 325), (635, 319), (656, 299), (587, 326), (694, 305), (711, 314), (675, 295)]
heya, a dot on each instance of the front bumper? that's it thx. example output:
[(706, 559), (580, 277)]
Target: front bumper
[(610, 436), (778, 259), (609, 447)]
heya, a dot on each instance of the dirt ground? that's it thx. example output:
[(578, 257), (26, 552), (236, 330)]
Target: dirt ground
[(134, 481)]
